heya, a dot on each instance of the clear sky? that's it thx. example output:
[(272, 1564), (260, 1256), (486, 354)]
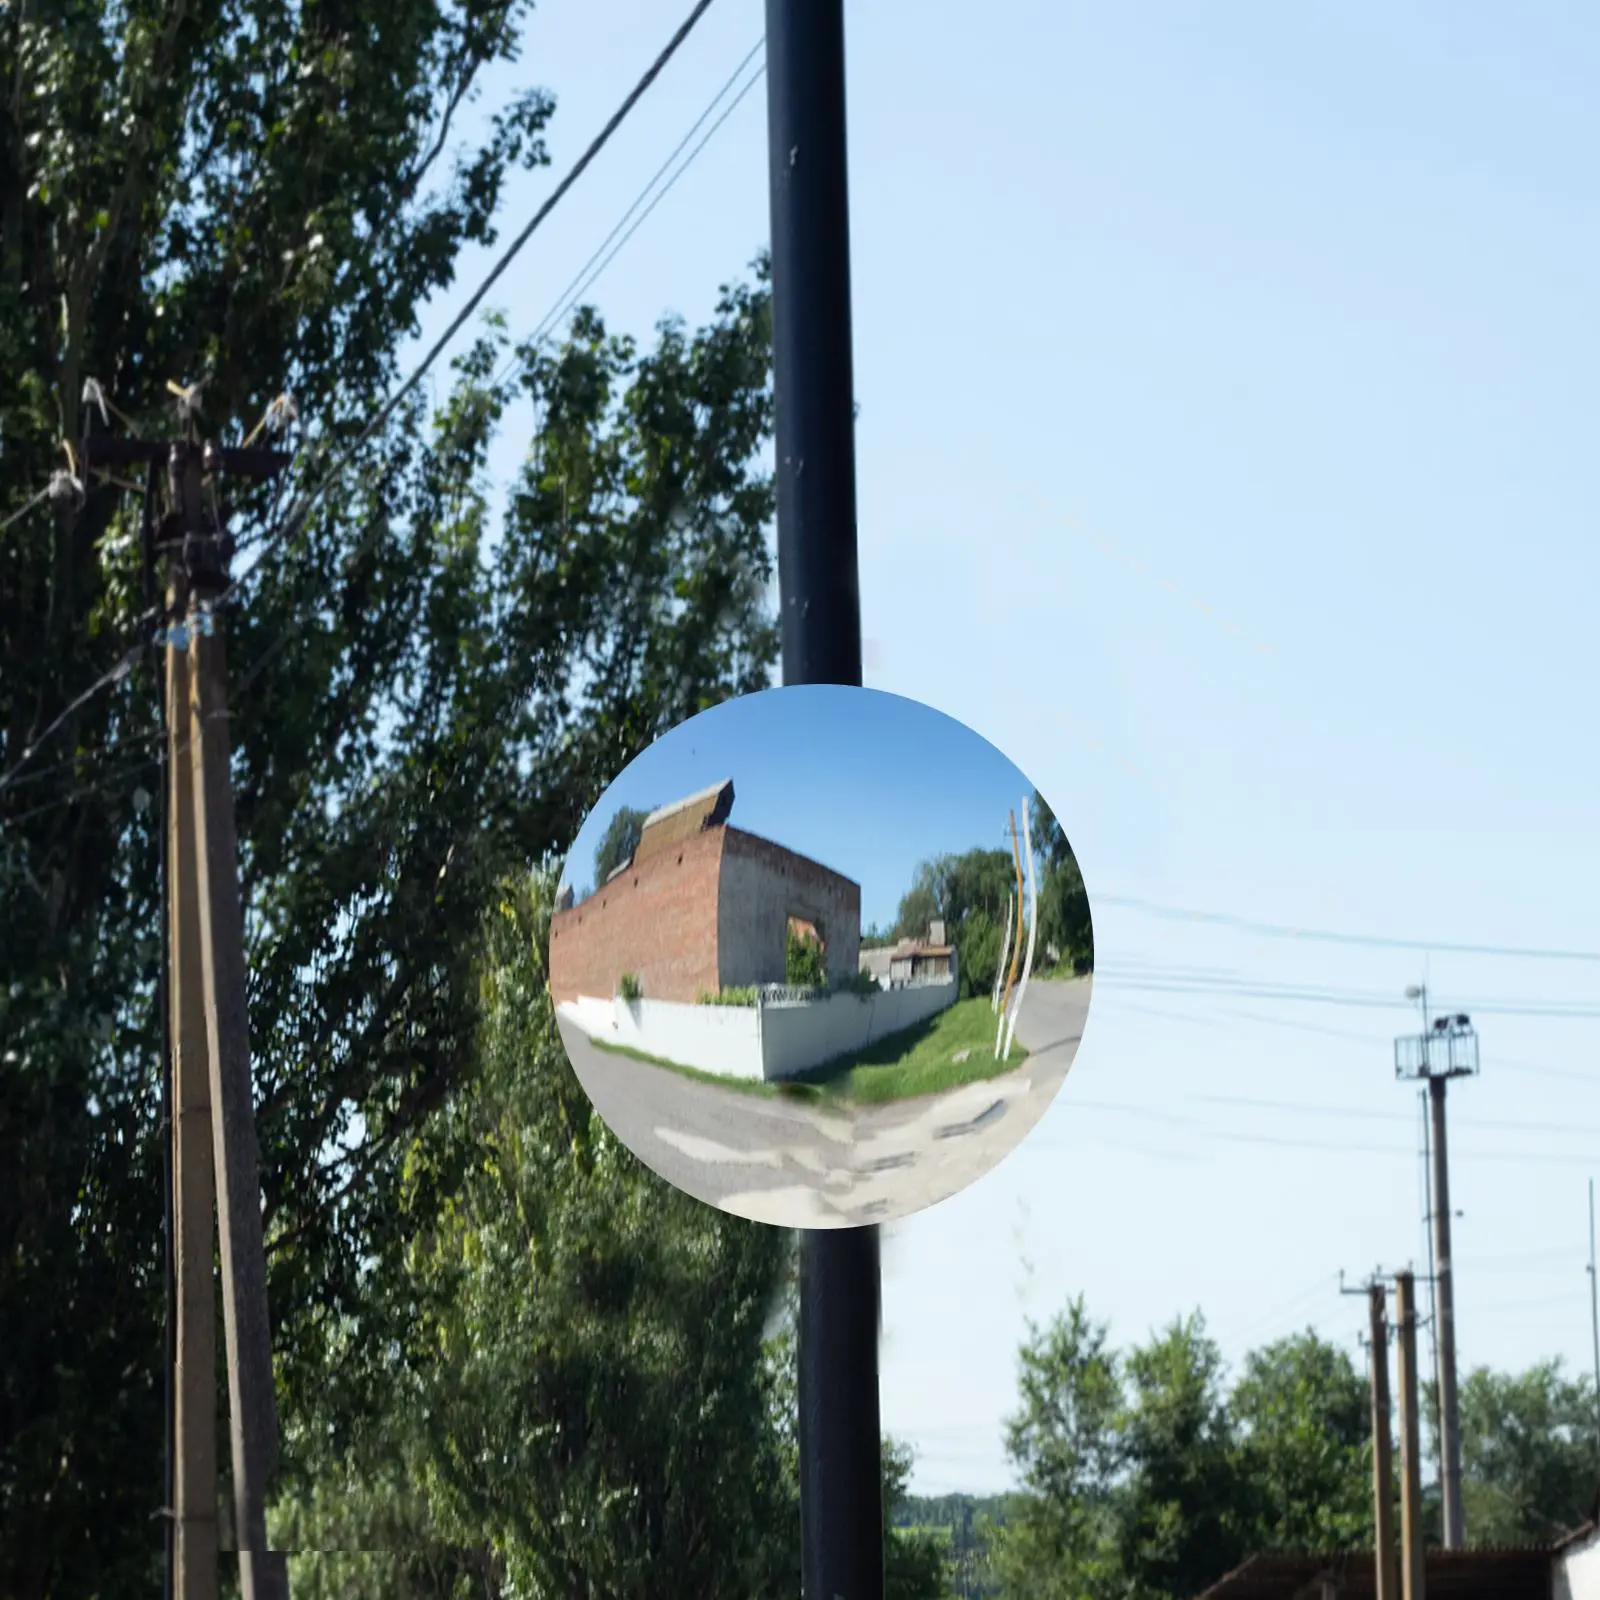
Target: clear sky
[(869, 784), (1229, 382)]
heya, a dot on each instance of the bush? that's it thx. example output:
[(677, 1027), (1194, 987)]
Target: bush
[(725, 997), (858, 983), (629, 988), (804, 965), (978, 952)]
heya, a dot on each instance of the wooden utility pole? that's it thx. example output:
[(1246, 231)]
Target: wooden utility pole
[(193, 1186), (1388, 1575), (1413, 1555), (211, 1075)]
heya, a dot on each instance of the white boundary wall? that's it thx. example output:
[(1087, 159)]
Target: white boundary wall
[(725, 1040), (795, 1037), (770, 1041), (1577, 1570)]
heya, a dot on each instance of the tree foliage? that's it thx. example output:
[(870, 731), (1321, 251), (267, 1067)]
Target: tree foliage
[(974, 893), (970, 892), (1530, 1461), (428, 690), (805, 966), (618, 843), (1146, 1474), (1065, 926), (582, 1405), (1303, 1420), (1143, 1475)]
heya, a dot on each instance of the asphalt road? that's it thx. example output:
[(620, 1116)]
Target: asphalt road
[(788, 1163)]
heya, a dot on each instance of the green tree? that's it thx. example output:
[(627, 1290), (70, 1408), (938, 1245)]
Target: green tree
[(1180, 1521), (970, 893), (1065, 925), (618, 843), (914, 1563), (1302, 1417), (804, 964), (262, 199), (978, 951), (1529, 1462), (427, 691), (918, 907), (582, 1404), (1059, 1541)]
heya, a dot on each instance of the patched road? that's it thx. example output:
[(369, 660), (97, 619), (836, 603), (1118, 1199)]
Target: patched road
[(791, 1164)]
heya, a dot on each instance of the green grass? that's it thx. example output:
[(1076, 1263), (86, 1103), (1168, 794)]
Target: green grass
[(747, 1085), (917, 1061), (921, 1060)]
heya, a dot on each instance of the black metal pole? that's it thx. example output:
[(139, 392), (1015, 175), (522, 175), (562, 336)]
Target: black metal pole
[(841, 1506)]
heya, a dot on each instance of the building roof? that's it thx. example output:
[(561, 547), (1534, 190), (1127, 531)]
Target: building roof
[(672, 824), (704, 799), (1513, 1574)]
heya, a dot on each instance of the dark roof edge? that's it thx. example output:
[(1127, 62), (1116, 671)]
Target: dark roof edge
[(810, 861)]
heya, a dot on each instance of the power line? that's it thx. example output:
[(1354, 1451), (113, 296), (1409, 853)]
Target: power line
[(1156, 983), (1306, 1108), (298, 514), (585, 279), (1274, 930), (1298, 1025), (1145, 1113), (125, 664)]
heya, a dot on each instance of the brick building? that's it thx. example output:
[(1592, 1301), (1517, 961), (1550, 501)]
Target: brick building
[(701, 906)]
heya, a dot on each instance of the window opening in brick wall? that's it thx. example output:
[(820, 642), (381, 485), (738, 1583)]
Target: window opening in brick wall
[(805, 954)]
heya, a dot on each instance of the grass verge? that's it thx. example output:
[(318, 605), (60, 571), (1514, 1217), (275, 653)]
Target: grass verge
[(747, 1085), (952, 1049)]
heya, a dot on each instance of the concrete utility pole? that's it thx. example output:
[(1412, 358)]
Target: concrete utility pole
[(1387, 1575), (841, 1499), (211, 1076), (193, 1187), (1446, 1048), (1413, 1555)]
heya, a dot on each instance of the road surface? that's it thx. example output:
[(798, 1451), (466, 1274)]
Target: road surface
[(789, 1163)]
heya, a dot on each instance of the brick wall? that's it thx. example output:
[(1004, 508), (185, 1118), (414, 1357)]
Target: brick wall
[(763, 885), (711, 913), (657, 921)]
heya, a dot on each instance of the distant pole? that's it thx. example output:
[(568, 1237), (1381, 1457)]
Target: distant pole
[(1016, 946), (1455, 1529), (1033, 928), (841, 1482), (1005, 956), (1413, 1556), (1446, 1048), (1388, 1574), (1594, 1312)]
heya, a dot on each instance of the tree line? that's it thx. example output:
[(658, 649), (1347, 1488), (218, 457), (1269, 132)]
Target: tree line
[(1147, 1473), (972, 893)]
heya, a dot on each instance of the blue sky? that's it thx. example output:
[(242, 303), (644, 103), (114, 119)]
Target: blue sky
[(868, 783), (1229, 381)]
